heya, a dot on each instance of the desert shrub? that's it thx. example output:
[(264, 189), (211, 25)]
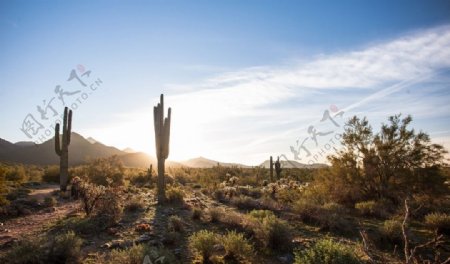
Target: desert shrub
[(196, 213), (215, 214), (50, 201), (332, 218), (329, 217), (391, 232), (135, 204), (245, 202), (373, 208), (3, 189), (272, 232), (65, 248), (327, 251), (288, 195), (27, 250), (105, 171), (17, 174), (233, 220), (202, 244), (218, 195), (268, 203), (174, 195), (142, 179), (80, 225), (51, 174), (102, 202), (175, 224), (249, 191), (237, 248), (110, 207), (439, 222), (306, 210), (137, 254), (260, 214), (18, 193), (90, 194)]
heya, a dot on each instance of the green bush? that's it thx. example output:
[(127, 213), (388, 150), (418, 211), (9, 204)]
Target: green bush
[(196, 213), (245, 202), (391, 232), (261, 214), (109, 207), (51, 174), (307, 211), (202, 244), (175, 224), (327, 251), (137, 254), (439, 222), (27, 250), (215, 214), (105, 171), (65, 248), (175, 195), (237, 248), (135, 204), (273, 233), (373, 208), (17, 174)]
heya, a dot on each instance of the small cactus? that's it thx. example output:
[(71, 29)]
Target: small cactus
[(271, 169), (162, 136), (278, 168), (62, 150)]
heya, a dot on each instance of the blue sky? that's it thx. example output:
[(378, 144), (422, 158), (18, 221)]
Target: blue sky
[(245, 78)]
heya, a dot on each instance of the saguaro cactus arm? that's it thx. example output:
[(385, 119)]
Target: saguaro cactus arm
[(57, 144)]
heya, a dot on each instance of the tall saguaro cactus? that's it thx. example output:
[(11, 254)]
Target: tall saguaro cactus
[(271, 169), (162, 136), (63, 150)]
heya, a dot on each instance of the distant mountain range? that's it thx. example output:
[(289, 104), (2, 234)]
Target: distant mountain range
[(202, 162), (295, 164), (82, 149)]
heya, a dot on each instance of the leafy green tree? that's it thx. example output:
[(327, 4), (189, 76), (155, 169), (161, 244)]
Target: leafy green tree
[(396, 160)]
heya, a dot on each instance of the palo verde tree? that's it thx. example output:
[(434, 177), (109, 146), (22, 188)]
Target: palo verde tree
[(62, 150), (162, 136), (395, 161)]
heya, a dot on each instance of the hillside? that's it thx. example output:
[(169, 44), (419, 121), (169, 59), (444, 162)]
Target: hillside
[(202, 162), (44, 154)]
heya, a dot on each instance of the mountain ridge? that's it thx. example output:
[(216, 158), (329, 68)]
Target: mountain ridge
[(82, 149)]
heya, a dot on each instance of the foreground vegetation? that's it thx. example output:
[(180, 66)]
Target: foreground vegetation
[(384, 199)]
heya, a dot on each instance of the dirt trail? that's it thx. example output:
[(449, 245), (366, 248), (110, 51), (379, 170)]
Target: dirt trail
[(16, 228)]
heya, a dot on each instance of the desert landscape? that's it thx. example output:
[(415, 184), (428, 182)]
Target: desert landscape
[(338, 158)]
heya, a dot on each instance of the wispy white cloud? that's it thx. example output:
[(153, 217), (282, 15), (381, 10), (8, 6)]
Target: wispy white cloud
[(246, 114)]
